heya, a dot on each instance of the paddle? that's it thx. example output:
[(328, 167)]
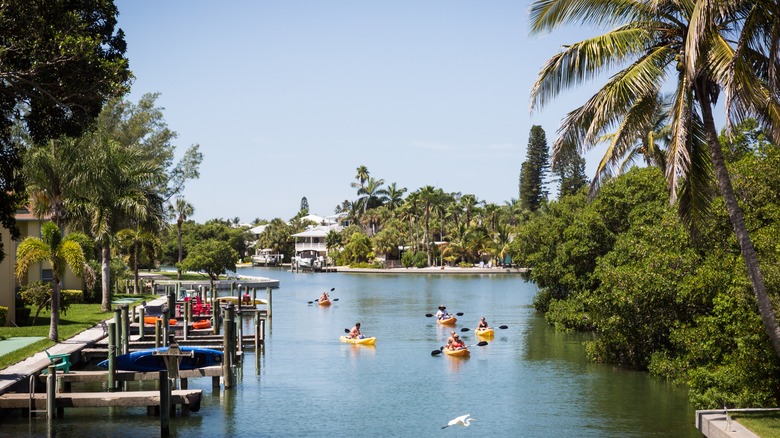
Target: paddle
[(431, 314), (502, 327), (441, 349)]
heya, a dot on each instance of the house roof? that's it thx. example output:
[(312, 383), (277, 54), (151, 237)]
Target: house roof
[(318, 231)]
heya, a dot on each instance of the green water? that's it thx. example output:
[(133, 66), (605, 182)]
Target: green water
[(528, 382)]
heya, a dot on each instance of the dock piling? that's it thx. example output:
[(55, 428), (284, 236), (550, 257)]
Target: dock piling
[(165, 403), (111, 383)]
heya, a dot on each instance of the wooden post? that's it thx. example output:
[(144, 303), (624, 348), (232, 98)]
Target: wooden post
[(254, 296), (227, 359), (269, 299), (51, 396), (165, 327), (171, 304), (257, 333), (165, 403), (118, 322), (111, 357), (157, 333), (141, 323), (214, 314), (125, 329), (187, 319), (240, 330)]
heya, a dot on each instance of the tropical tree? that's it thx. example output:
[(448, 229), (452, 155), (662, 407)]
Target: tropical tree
[(372, 195), (60, 254), (136, 244), (361, 176), (117, 189), (689, 46), (180, 211), (48, 176), (214, 257), (395, 196), (59, 62)]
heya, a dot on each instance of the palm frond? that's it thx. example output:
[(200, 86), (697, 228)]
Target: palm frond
[(547, 15), (30, 251), (586, 60), (677, 157)]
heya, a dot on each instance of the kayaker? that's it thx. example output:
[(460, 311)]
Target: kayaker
[(457, 343), (451, 338), (482, 324), (355, 332), (324, 296), (442, 313)]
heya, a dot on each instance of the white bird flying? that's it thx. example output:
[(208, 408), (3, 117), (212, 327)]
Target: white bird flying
[(463, 420)]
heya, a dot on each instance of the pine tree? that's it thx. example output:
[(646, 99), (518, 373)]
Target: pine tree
[(571, 171), (534, 170), (304, 205)]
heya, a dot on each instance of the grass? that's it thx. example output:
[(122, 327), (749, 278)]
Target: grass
[(80, 317), (764, 424)]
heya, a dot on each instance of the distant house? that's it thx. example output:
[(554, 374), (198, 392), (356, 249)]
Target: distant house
[(28, 225), (310, 247)]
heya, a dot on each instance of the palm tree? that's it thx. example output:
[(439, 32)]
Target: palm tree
[(47, 175), (134, 243), (117, 188), (395, 196), (181, 211), (428, 197), (61, 254), (688, 45), (373, 195)]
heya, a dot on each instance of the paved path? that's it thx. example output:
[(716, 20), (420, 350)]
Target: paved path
[(35, 364), (15, 343)]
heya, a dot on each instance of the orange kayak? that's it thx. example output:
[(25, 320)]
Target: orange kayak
[(202, 324), (152, 320), (448, 321), (324, 302)]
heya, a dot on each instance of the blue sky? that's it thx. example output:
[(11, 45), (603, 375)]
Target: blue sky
[(288, 98)]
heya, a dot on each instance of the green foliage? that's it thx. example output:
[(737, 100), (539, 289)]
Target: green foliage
[(358, 249), (59, 62), (38, 294), (3, 315), (214, 257), (412, 259)]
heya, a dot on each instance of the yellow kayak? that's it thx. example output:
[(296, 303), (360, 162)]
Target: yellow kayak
[(324, 302), (485, 333), (448, 321), (463, 352), (238, 300), (363, 341)]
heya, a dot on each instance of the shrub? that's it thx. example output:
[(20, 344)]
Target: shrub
[(3, 315)]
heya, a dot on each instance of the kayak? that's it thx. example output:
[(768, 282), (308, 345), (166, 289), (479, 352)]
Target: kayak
[(324, 302), (485, 333), (363, 341), (150, 360), (463, 352), (242, 301), (448, 321), (152, 320), (202, 324)]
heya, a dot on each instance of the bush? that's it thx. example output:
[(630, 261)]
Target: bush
[(39, 294), (3, 315)]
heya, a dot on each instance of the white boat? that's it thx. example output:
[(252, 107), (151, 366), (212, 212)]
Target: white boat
[(265, 258)]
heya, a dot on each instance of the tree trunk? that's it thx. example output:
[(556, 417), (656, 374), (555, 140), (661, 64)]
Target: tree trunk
[(105, 270), (135, 267), (178, 266), (54, 333), (737, 221)]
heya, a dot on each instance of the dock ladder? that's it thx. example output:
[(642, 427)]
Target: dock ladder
[(31, 406)]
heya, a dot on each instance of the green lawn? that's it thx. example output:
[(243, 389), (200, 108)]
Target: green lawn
[(79, 318), (764, 424)]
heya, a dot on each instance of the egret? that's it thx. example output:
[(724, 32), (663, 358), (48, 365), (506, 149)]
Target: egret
[(463, 420)]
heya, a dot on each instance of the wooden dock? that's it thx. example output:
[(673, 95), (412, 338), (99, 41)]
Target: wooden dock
[(188, 399)]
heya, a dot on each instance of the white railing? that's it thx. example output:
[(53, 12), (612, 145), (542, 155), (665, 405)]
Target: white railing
[(305, 246)]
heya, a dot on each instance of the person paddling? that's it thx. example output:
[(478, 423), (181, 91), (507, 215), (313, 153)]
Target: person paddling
[(355, 332), (457, 343), (483, 325), (325, 296), (442, 313)]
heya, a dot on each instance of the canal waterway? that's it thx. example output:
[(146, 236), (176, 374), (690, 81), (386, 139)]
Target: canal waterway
[(528, 382)]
